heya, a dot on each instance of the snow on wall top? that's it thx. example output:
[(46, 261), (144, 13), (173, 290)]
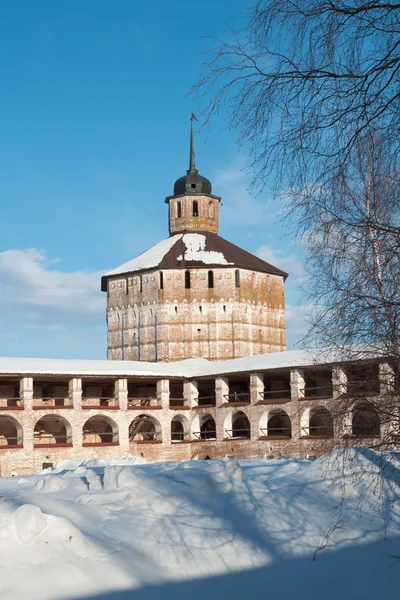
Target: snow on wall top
[(196, 251), (149, 259), (187, 368)]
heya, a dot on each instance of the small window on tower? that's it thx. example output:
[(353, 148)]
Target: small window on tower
[(193, 185), (140, 284), (237, 278), (161, 280), (179, 209), (195, 208), (211, 209), (187, 280), (210, 279)]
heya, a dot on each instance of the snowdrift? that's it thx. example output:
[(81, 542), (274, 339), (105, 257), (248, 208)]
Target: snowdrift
[(124, 528)]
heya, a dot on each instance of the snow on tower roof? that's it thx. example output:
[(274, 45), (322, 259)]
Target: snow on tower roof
[(182, 251), (147, 260)]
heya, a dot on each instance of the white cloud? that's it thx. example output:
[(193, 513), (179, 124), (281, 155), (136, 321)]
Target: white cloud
[(296, 318), (278, 258), (33, 292)]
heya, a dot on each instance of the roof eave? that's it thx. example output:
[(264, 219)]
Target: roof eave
[(168, 198)]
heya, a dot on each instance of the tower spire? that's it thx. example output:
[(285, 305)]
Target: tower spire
[(192, 163)]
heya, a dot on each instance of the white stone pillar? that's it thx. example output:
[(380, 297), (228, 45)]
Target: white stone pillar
[(297, 384), (121, 393), (220, 417), (190, 393), (163, 393), (339, 381), (389, 411), (221, 390), (386, 378), (28, 424), (75, 397), (75, 392), (256, 388), (123, 420), (26, 392)]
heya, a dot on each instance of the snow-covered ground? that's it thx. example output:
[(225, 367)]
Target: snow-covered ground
[(204, 529)]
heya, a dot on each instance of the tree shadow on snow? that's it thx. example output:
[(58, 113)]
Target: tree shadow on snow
[(361, 572)]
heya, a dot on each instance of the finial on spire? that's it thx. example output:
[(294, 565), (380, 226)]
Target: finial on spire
[(192, 164)]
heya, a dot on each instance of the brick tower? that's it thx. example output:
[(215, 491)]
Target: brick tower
[(194, 294)]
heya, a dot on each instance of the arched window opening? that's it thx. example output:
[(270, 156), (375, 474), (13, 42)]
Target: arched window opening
[(100, 430), (254, 280), (161, 280), (210, 279), (140, 284), (321, 423), (187, 280), (211, 209), (145, 429), (201, 309), (237, 278), (201, 456), (179, 209), (10, 433), (50, 430), (179, 429), (240, 426), (365, 422), (279, 425), (224, 308), (208, 430), (177, 433), (176, 310), (195, 208)]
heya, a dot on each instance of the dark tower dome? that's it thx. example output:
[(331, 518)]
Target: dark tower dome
[(192, 182)]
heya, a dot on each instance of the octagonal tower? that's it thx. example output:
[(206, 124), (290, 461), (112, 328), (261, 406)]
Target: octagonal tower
[(194, 294)]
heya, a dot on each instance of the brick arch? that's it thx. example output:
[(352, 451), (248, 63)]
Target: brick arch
[(201, 456), (180, 428), (145, 428), (99, 430), (208, 428), (279, 424), (240, 425), (52, 429), (11, 432)]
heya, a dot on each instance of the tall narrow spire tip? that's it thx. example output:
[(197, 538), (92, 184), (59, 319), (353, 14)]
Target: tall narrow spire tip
[(192, 163)]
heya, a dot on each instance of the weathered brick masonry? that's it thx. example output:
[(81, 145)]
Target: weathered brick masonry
[(194, 295), (81, 409)]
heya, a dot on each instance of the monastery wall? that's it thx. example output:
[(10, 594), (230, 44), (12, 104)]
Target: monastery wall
[(249, 415)]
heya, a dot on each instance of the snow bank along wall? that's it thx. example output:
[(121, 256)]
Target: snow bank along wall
[(265, 406)]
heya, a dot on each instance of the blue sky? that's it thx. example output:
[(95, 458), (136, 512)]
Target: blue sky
[(94, 128)]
